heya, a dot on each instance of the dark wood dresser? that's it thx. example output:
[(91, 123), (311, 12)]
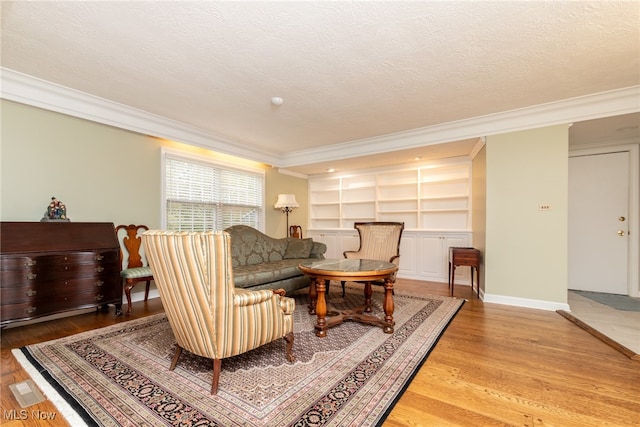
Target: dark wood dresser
[(52, 267)]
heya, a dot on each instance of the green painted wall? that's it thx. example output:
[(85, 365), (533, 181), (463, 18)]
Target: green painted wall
[(479, 205), (526, 249)]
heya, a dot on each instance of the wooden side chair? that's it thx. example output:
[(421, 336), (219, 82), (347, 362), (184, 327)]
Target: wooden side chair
[(208, 315), (295, 231), (378, 241), (135, 268)]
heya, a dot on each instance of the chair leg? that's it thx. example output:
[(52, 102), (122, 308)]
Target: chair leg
[(146, 291), (217, 367), (127, 291), (343, 294), (289, 339), (176, 356)]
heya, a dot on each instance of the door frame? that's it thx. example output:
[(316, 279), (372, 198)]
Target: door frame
[(633, 273)]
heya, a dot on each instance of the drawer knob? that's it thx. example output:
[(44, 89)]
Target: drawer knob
[(31, 276), (30, 310), (99, 297), (99, 257), (99, 269), (99, 283), (31, 292), (30, 263)]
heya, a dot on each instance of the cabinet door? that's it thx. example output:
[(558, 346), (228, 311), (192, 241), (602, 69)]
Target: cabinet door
[(408, 256), (350, 242), (432, 257), (331, 240), (462, 273)]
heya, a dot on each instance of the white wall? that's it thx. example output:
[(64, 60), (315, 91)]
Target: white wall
[(526, 249)]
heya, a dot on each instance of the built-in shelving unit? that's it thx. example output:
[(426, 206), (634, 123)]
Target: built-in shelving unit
[(434, 197)]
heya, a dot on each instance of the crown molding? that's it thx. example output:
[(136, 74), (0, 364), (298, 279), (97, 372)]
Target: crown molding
[(39, 93), (29, 90), (588, 107)]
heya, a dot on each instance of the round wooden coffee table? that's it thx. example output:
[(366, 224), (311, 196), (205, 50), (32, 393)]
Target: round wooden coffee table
[(356, 270)]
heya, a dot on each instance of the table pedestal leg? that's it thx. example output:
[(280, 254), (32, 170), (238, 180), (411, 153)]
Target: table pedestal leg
[(368, 293), (321, 309), (313, 297)]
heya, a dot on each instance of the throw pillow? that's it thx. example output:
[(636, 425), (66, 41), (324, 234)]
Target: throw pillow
[(298, 248)]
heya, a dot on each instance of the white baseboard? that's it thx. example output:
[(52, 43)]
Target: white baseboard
[(524, 302), (139, 296)]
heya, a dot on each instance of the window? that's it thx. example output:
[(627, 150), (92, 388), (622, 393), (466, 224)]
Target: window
[(201, 194)]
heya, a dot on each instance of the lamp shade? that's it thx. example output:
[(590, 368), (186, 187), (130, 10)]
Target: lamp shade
[(286, 201)]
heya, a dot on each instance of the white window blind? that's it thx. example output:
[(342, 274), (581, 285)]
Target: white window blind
[(203, 196)]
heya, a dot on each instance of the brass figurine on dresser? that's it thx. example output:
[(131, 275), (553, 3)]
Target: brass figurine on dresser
[(48, 268)]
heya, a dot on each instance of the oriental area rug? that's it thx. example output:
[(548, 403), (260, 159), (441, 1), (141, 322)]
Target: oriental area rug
[(119, 375)]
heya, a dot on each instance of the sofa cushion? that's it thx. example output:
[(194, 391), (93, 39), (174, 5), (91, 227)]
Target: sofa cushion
[(245, 276), (298, 248), (250, 247)]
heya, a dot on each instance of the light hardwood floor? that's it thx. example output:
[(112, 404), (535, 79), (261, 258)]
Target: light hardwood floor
[(494, 366)]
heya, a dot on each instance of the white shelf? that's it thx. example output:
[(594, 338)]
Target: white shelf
[(358, 202)]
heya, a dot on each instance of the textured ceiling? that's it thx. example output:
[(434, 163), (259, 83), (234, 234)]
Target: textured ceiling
[(346, 70)]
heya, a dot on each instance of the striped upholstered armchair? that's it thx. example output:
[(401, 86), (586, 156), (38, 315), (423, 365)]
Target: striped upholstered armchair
[(208, 316), (379, 241)]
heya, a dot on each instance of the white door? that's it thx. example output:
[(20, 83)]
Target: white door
[(598, 222)]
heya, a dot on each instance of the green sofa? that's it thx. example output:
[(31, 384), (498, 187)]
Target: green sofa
[(263, 262)]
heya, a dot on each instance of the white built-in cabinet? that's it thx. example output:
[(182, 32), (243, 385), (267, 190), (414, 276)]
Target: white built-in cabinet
[(432, 200)]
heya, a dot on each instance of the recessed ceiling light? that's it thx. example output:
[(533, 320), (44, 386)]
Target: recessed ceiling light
[(331, 170), (276, 100)]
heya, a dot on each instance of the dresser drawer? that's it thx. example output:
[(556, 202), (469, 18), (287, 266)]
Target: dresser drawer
[(105, 284), (45, 306), (16, 262), (48, 272), (19, 262)]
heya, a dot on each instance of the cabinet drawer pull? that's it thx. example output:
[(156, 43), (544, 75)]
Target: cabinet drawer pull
[(30, 310), (99, 269), (30, 263), (99, 297), (99, 283), (99, 257), (31, 276), (31, 292)]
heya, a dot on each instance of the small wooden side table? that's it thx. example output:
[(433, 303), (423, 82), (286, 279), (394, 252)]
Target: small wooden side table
[(464, 257)]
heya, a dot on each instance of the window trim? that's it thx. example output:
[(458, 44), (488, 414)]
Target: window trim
[(166, 153)]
